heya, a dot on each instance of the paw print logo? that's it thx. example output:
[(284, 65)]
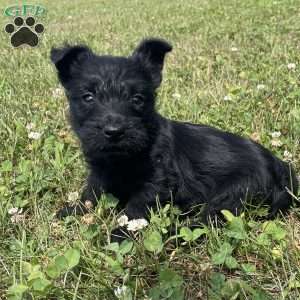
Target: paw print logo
[(24, 33)]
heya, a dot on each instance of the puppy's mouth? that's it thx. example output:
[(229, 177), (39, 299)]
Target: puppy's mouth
[(115, 152), (113, 147)]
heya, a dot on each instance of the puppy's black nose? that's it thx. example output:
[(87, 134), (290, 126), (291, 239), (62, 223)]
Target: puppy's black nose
[(113, 132)]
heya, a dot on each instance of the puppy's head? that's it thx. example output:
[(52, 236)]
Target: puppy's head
[(112, 98)]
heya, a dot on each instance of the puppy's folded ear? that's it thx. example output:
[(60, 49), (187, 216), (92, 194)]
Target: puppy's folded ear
[(68, 59), (151, 53)]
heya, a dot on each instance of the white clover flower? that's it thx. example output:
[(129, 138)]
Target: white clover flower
[(73, 196), (291, 66), (288, 155), (14, 211), (176, 95), (136, 224), (276, 143), (227, 98), (121, 291), (255, 136), (276, 134), (234, 49), (260, 87), (58, 92), (123, 220), (16, 214), (33, 135), (88, 204), (30, 126)]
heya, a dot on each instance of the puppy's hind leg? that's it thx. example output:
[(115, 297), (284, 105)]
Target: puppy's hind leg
[(283, 195), (231, 199), (281, 201)]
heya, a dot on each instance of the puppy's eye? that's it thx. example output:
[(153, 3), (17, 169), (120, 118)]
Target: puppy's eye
[(137, 100), (88, 98)]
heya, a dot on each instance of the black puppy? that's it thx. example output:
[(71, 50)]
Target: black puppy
[(138, 155)]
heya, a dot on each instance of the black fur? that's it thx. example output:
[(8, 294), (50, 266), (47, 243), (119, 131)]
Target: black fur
[(136, 154)]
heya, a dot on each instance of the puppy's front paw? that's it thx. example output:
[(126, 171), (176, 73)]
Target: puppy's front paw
[(71, 211), (75, 210)]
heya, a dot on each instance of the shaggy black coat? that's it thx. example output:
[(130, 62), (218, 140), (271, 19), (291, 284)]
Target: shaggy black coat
[(137, 155)]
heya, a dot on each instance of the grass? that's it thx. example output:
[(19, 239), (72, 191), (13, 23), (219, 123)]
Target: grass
[(235, 50)]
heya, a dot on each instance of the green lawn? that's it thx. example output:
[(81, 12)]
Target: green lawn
[(235, 65)]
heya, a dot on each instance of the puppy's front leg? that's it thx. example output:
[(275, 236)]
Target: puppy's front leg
[(88, 200), (139, 204), (137, 207)]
